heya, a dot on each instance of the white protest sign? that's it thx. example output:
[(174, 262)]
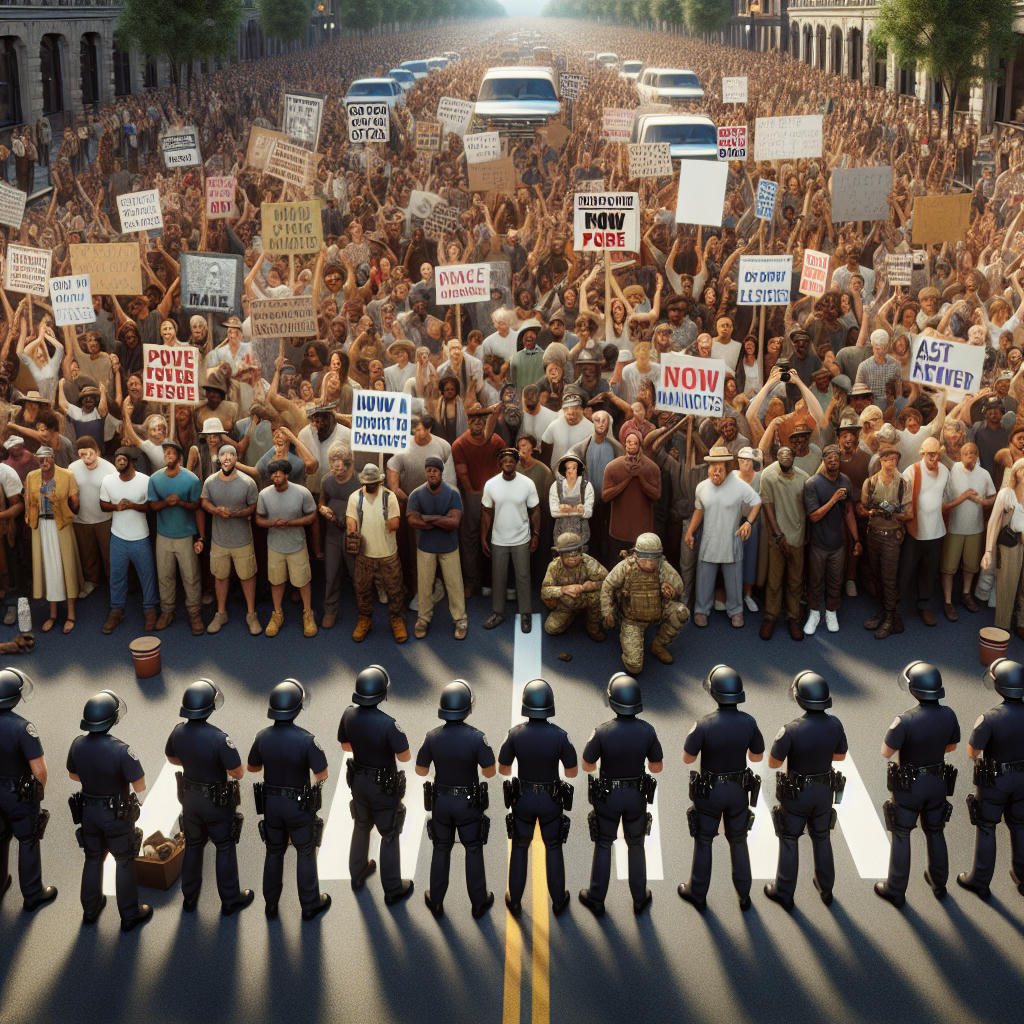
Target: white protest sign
[(814, 275), (454, 114), (570, 86), (170, 373), (27, 270), (734, 90), (787, 138), (899, 266), (606, 220), (140, 211), (12, 205), (616, 124), (764, 280), (861, 193), (292, 164), (71, 300), (369, 122), (953, 365), (701, 192), (732, 142), (463, 282), (690, 385), (649, 159), (180, 147), (764, 207), (482, 147), (381, 420), (220, 198), (303, 113)]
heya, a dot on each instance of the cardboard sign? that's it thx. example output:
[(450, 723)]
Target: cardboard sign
[(454, 115), (428, 136), (71, 300), (649, 159), (220, 198), (764, 280), (690, 385), (292, 164), (606, 220), (734, 90), (493, 176), (787, 138), (616, 124), (953, 365), (180, 147), (12, 205), (260, 141), (701, 192), (170, 373), (764, 207), (292, 227), (112, 269), (570, 86), (211, 282), (940, 218), (381, 420), (732, 142), (140, 211), (368, 122), (861, 193), (814, 276), (291, 317), (442, 219), (463, 282), (482, 147), (27, 270), (899, 267), (303, 115)]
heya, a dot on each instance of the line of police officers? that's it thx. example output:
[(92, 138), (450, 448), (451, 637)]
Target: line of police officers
[(625, 749)]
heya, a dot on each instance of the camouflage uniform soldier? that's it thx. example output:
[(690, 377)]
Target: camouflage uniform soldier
[(572, 584), (647, 589)]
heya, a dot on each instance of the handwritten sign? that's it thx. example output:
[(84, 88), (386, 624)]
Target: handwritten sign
[(690, 385), (899, 268), (291, 317), (570, 86), (787, 138), (764, 280), (428, 136), (211, 282), (482, 147), (292, 227), (180, 147), (170, 373), (814, 276), (941, 218), (442, 219), (260, 141), (303, 114), (701, 192), (454, 114), (493, 176), (861, 193), (27, 270), (463, 282), (649, 159), (764, 205), (220, 198), (732, 142), (12, 205), (368, 122), (616, 124), (71, 300), (953, 365), (292, 164), (112, 269), (606, 220), (381, 420), (734, 90), (140, 211)]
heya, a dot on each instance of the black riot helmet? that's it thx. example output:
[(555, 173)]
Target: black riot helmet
[(811, 692), (456, 701), (371, 686), (923, 680), (286, 700), (200, 700), (538, 699), (103, 711), (624, 695), (1004, 676), (15, 686), (725, 685)]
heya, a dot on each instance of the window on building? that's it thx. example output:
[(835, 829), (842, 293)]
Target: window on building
[(52, 74), (122, 72), (10, 83)]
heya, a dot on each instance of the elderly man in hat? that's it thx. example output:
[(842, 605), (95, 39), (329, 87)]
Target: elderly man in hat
[(572, 584), (401, 352), (880, 370), (233, 351), (216, 405), (567, 429), (726, 506), (861, 397), (644, 589)]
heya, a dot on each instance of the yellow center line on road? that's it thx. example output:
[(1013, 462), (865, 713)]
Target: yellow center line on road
[(513, 967), (540, 1008)]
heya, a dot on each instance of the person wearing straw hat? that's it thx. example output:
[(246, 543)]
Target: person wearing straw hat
[(402, 352), (572, 584)]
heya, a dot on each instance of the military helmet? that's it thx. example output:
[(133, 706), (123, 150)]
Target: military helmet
[(103, 711), (15, 686), (286, 700), (624, 694), (725, 685), (371, 686), (811, 692), (456, 701), (200, 700), (538, 699), (648, 545), (1006, 677), (569, 541), (923, 680)]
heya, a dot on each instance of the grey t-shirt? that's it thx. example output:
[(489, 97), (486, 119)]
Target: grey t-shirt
[(238, 492), (294, 502)]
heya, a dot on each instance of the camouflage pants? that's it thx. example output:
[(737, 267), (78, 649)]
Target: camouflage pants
[(374, 572), (561, 616), (631, 634)]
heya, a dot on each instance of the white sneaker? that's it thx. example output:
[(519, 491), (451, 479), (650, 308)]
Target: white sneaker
[(719, 606), (751, 604), (831, 622), (851, 588), (87, 589), (813, 618)]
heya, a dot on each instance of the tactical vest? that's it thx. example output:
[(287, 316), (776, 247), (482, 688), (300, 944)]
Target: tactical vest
[(640, 596)]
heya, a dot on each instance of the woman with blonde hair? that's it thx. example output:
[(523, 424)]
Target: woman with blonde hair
[(1004, 552)]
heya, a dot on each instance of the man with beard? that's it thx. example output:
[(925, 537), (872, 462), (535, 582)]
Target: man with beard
[(319, 436), (90, 417), (723, 432), (631, 487), (854, 463)]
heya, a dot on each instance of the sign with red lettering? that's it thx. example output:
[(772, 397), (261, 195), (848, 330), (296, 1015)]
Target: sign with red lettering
[(220, 198), (463, 282), (170, 373), (814, 276), (690, 385), (606, 220), (732, 142)]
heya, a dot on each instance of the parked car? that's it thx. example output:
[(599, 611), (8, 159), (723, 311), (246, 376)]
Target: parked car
[(404, 77), (608, 61), (668, 85), (516, 100), (376, 90), (417, 67), (631, 69), (437, 63), (690, 136)]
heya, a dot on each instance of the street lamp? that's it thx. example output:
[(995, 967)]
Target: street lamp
[(753, 9)]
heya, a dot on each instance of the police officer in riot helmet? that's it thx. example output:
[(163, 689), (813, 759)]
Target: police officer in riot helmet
[(208, 757), (375, 740), (621, 792), (106, 810), (22, 778), (538, 746), (287, 801), (807, 789), (724, 788), (997, 748), (920, 782), (457, 799)]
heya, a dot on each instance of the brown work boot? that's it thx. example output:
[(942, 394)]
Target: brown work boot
[(596, 634), (767, 628), (398, 630), (166, 618), (195, 620), (662, 653), (114, 619), (328, 621), (150, 620), (796, 631), (363, 625)]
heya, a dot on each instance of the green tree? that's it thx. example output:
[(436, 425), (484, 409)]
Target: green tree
[(958, 42), (706, 17), (285, 20), (667, 11)]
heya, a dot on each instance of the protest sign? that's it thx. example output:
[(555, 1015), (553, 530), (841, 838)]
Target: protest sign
[(260, 141), (482, 147), (493, 176), (690, 385), (291, 317), (606, 220), (649, 159), (463, 282), (112, 269), (732, 142), (12, 205), (953, 365), (570, 86), (71, 300), (940, 218), (899, 266), (787, 138), (814, 275), (764, 207), (303, 115), (701, 192), (180, 147), (292, 164), (764, 280), (616, 124), (454, 114), (220, 198), (292, 227), (170, 373), (27, 270), (368, 122), (381, 420), (734, 90), (861, 193), (211, 282), (442, 219), (428, 136), (140, 211)]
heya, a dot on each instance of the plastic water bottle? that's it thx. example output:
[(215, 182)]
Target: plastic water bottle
[(24, 616)]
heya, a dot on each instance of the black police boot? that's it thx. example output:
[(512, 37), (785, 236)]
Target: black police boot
[(144, 914), (640, 905), (745, 902), (686, 893), (481, 908), (558, 906), (515, 909), (391, 898), (190, 903), (825, 894), (437, 909), (939, 890), (321, 907), (897, 899), (47, 895), (360, 880), (965, 881), (271, 911), (246, 897), (596, 907), (93, 918), (771, 890)]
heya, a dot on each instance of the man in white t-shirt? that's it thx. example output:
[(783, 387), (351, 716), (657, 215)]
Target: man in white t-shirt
[(502, 342), (567, 428), (509, 530), (126, 495), (922, 546), (19, 563), (92, 523)]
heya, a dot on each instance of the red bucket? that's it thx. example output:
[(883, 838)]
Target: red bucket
[(146, 656), (992, 643)]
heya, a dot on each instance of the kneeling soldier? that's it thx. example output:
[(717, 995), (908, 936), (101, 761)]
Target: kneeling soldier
[(572, 585)]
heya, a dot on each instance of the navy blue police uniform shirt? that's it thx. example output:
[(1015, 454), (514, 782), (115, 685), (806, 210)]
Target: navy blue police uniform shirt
[(921, 734), (206, 753), (538, 746), (623, 746), (809, 742), (455, 749), (374, 735), (19, 744), (105, 764), (1000, 732), (722, 739), (288, 753)]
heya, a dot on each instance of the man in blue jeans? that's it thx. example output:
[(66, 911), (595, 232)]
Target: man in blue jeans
[(125, 495)]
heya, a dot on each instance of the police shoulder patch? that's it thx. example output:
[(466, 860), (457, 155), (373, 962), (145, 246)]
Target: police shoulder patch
[(780, 734), (131, 753), (895, 723), (230, 742), (978, 721), (398, 728), (32, 730), (483, 739), (316, 743)]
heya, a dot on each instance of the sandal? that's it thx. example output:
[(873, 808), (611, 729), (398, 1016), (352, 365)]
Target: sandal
[(48, 625), (69, 624), (460, 631)]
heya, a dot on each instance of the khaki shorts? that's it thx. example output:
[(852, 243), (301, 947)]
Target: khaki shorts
[(243, 559), (292, 568), (961, 550)]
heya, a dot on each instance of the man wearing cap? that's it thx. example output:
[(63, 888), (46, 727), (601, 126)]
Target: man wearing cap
[(403, 369), (572, 584), (321, 433), (216, 405), (854, 462), (880, 370), (567, 429), (803, 361), (89, 418), (174, 495), (126, 496), (990, 436), (233, 351), (861, 398), (631, 487), (922, 547)]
